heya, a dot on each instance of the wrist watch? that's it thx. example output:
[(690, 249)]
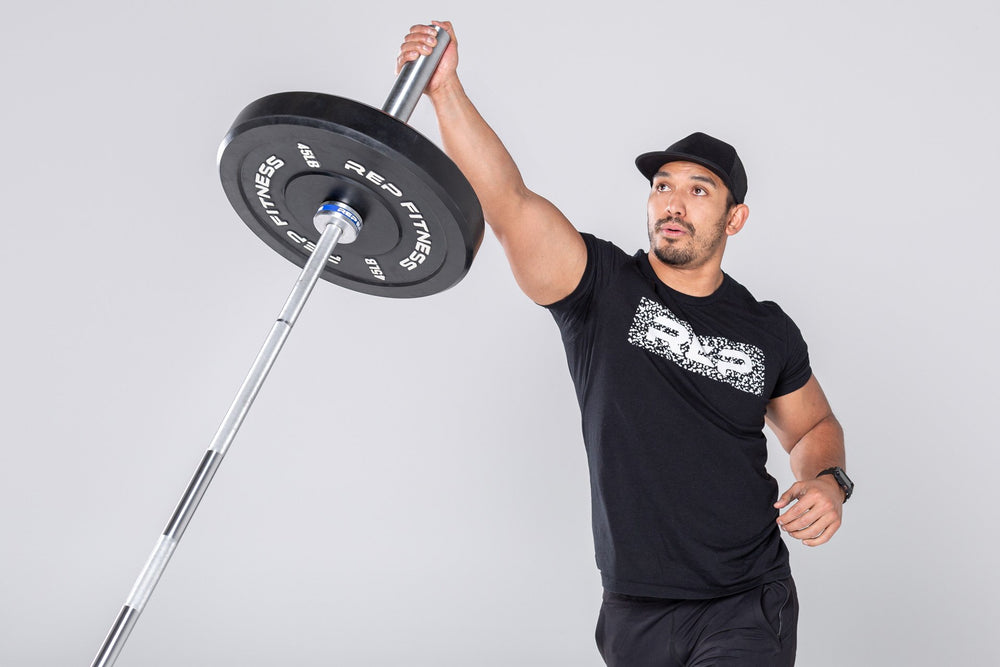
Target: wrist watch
[(842, 479)]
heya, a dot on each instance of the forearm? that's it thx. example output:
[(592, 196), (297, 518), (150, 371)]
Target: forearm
[(813, 507), (473, 145), (820, 448), (546, 253)]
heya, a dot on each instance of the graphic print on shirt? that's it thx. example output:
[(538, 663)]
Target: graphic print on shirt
[(656, 329)]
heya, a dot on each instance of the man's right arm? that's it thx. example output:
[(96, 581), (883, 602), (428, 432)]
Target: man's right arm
[(546, 254)]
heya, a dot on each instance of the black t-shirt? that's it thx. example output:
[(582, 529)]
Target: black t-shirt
[(673, 390)]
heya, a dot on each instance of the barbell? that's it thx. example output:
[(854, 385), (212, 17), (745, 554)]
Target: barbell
[(353, 195)]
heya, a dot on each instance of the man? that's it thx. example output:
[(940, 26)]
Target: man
[(677, 367)]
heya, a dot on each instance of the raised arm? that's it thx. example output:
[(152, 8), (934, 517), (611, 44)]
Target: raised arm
[(546, 254)]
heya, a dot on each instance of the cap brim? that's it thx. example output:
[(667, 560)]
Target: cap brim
[(650, 163)]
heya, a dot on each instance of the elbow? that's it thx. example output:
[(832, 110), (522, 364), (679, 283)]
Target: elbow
[(503, 211), (827, 432)]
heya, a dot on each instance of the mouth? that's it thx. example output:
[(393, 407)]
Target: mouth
[(673, 228)]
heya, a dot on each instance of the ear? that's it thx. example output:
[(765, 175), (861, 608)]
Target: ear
[(736, 218)]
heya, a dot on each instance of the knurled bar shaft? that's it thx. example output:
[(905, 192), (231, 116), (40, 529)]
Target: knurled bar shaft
[(178, 523)]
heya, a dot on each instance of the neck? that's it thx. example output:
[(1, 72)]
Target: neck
[(700, 280)]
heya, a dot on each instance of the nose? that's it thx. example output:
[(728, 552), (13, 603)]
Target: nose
[(673, 204)]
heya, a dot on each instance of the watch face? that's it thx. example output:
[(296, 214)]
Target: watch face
[(844, 481)]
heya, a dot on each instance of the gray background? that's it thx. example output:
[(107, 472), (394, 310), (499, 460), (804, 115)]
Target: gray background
[(410, 488)]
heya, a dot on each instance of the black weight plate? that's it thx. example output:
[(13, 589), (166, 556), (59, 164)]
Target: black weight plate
[(288, 153)]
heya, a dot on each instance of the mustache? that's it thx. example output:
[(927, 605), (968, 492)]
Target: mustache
[(675, 221)]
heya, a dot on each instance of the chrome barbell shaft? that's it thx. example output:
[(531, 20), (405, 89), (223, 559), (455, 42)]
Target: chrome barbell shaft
[(336, 222)]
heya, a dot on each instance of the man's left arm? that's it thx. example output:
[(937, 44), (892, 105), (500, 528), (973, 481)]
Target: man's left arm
[(812, 436)]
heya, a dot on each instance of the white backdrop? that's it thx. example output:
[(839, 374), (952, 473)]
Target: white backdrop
[(411, 488)]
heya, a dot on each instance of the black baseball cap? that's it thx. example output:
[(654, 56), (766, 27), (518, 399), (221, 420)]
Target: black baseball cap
[(709, 152)]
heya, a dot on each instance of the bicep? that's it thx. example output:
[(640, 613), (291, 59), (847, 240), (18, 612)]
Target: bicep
[(793, 415), (546, 253)]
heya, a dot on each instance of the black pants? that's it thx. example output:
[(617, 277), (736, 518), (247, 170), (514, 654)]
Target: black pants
[(751, 629)]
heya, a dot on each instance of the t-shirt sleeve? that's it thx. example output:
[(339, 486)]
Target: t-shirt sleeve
[(796, 371), (603, 259)]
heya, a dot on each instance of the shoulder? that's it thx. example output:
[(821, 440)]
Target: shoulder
[(764, 316), (763, 308), (605, 266), (598, 248), (776, 332), (604, 261)]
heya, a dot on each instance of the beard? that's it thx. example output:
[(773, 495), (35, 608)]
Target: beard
[(673, 253)]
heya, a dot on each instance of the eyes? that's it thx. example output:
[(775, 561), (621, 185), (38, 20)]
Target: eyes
[(696, 190)]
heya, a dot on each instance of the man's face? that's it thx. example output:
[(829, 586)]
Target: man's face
[(688, 216)]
